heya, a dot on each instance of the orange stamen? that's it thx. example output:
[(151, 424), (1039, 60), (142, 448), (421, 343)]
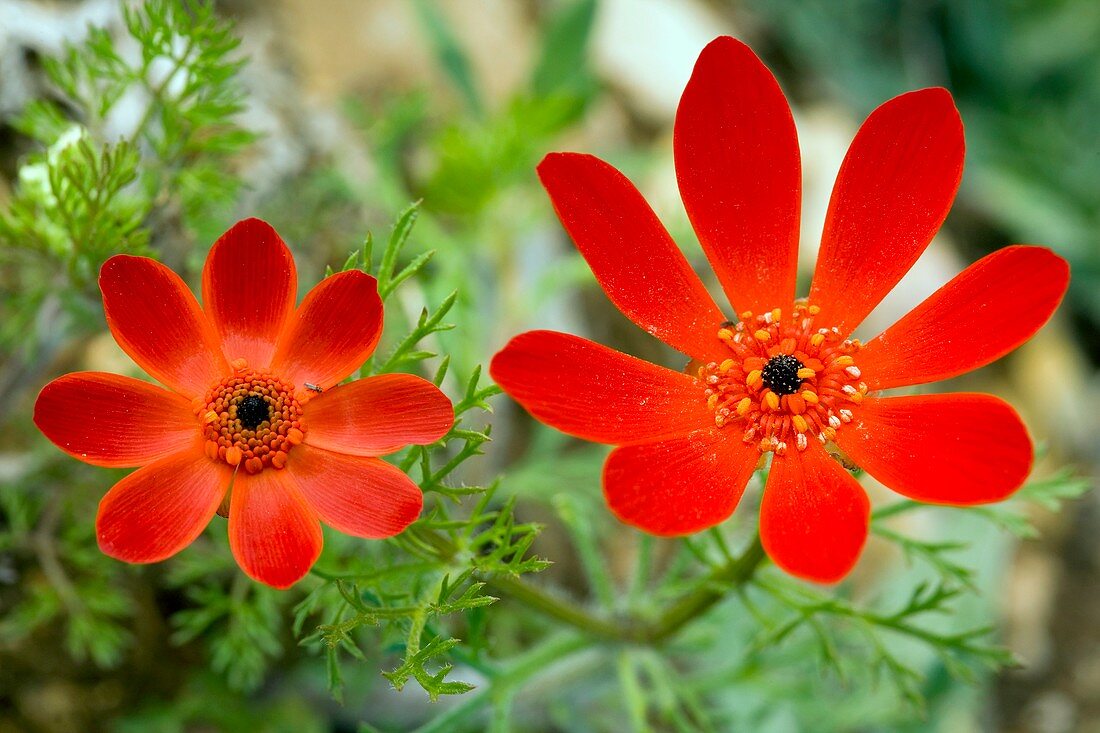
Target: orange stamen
[(250, 419), (785, 380)]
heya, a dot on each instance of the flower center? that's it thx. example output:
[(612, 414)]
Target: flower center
[(250, 418), (780, 374), (786, 379)]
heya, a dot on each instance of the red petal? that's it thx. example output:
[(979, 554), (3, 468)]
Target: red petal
[(635, 260), (157, 321), (249, 286), (814, 516), (958, 449), (740, 175), (679, 486), (378, 415), (988, 310), (596, 393), (333, 332), (893, 191), (273, 532), (160, 509), (110, 420), (364, 497)]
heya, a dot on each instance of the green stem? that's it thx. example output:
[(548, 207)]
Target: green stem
[(731, 575), (548, 605), (693, 604)]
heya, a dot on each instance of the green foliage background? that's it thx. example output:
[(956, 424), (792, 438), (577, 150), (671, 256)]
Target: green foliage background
[(624, 632)]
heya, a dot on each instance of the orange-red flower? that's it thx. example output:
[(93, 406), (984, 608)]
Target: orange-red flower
[(253, 420), (783, 375)]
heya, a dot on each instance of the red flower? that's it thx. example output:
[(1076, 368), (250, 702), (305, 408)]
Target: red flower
[(253, 401), (785, 378)]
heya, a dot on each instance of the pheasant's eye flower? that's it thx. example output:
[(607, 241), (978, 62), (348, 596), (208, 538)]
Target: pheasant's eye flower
[(253, 423), (777, 375)]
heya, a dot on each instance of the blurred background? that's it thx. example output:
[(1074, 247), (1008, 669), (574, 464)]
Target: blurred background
[(359, 108)]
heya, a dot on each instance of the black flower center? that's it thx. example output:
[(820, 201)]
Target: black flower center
[(252, 411), (780, 374)]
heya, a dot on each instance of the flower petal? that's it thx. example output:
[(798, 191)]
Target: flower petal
[(160, 509), (111, 420), (158, 322), (635, 260), (249, 285), (814, 516), (958, 449), (679, 486), (378, 415), (363, 497), (596, 393), (893, 191), (988, 310), (333, 332), (740, 174), (273, 532)]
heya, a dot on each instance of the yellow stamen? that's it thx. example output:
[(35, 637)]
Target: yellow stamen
[(712, 401), (817, 339), (806, 373), (810, 397), (776, 314), (755, 378), (744, 406), (814, 310), (762, 335), (799, 423), (233, 455), (772, 399), (843, 361), (726, 366), (725, 334)]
